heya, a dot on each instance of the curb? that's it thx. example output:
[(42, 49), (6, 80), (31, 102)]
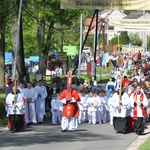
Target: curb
[(140, 139)]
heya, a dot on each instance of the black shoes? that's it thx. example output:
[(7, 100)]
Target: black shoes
[(63, 130), (138, 133)]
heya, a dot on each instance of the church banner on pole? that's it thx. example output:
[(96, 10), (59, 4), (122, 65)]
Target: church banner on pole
[(106, 4), (130, 24)]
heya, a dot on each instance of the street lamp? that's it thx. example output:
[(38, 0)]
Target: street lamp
[(118, 42)]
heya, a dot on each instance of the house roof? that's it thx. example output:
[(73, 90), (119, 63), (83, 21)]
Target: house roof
[(135, 15), (106, 13)]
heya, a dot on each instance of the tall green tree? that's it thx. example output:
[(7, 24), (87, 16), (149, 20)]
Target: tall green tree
[(124, 38), (114, 40), (135, 39), (51, 18), (2, 44)]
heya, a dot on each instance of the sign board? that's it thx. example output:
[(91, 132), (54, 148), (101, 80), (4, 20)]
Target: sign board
[(70, 50), (105, 4), (131, 24), (63, 56)]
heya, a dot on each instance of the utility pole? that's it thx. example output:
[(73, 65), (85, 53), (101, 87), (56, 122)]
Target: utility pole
[(17, 41), (79, 65), (118, 43)]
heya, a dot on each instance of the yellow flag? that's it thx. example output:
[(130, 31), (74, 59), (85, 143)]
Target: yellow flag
[(119, 60), (110, 65)]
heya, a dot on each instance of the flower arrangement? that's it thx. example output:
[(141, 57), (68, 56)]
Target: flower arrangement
[(53, 61), (129, 72)]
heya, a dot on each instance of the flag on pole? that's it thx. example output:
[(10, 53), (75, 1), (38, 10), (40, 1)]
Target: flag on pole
[(119, 60), (110, 65)]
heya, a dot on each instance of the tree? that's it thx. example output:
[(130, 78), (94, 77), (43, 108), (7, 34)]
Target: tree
[(2, 45), (51, 17), (148, 43), (114, 40), (124, 38), (135, 39)]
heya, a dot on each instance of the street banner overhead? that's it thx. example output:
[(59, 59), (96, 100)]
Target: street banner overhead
[(130, 24), (105, 4)]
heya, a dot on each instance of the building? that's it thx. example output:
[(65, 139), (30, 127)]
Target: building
[(105, 15)]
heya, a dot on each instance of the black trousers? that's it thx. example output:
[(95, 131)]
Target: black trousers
[(139, 125), (120, 124), (16, 122)]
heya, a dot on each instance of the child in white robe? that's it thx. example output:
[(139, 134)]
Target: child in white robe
[(105, 107), (55, 104), (82, 107), (92, 108), (99, 107), (111, 108)]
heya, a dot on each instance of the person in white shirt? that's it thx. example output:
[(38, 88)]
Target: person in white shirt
[(15, 104), (92, 108), (119, 114), (111, 108), (30, 112), (22, 89), (105, 107), (40, 102), (82, 107), (99, 99), (55, 104)]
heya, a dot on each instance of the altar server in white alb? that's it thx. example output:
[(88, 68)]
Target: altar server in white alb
[(15, 104), (99, 99), (122, 113), (111, 108), (105, 107), (138, 103), (119, 121), (92, 108), (55, 104), (40, 102), (82, 107), (22, 89), (30, 112)]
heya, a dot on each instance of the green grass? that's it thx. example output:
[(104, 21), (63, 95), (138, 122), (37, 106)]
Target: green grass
[(145, 145), (88, 78), (3, 119), (3, 122), (105, 76), (2, 96), (103, 70)]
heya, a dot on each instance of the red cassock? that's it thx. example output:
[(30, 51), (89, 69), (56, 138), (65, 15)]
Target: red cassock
[(70, 109)]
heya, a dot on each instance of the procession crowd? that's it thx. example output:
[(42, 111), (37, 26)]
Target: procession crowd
[(125, 103)]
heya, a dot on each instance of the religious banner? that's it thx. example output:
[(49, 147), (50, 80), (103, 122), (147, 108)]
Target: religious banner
[(130, 24), (106, 4)]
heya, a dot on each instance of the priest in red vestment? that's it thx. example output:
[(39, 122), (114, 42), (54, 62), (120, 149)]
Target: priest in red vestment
[(138, 103), (70, 111)]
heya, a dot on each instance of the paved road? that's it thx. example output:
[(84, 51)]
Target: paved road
[(49, 137)]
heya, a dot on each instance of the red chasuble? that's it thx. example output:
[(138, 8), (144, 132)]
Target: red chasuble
[(70, 109)]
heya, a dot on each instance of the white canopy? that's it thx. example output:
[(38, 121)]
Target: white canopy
[(106, 4)]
